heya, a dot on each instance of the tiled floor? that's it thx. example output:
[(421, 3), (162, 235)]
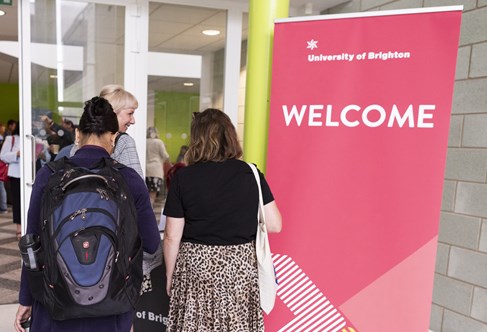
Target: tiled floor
[(9, 261), (9, 272), (7, 317)]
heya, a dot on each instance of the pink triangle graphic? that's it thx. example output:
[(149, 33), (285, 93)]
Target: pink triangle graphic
[(400, 300)]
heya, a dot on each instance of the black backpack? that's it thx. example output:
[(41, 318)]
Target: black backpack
[(92, 248)]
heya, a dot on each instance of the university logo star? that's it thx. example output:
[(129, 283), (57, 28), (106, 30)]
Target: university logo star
[(312, 44)]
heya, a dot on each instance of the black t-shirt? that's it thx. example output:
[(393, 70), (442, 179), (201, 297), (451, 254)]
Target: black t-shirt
[(218, 200)]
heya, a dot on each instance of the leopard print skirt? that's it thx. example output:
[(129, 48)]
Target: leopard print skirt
[(215, 288)]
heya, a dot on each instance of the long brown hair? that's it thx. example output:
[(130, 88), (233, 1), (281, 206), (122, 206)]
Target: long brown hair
[(213, 138)]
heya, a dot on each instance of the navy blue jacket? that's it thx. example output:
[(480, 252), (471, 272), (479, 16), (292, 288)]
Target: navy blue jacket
[(88, 156)]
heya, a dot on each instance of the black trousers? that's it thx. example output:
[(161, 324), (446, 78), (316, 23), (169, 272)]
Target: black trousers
[(15, 191)]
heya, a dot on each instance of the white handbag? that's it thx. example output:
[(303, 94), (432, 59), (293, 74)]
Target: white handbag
[(265, 267)]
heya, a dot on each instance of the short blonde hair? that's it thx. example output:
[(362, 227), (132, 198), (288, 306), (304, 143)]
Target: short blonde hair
[(118, 97)]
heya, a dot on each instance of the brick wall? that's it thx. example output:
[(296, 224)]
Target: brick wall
[(460, 289)]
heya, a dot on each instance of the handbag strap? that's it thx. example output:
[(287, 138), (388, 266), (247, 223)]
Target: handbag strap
[(13, 142), (260, 214)]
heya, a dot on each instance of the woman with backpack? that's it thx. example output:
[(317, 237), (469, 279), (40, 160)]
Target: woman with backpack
[(96, 135)]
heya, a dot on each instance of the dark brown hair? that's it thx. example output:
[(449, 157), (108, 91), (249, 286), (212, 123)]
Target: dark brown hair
[(213, 138), (98, 118)]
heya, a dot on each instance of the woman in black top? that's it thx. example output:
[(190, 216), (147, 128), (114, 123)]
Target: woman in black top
[(209, 240)]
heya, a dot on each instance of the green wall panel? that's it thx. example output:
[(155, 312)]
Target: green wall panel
[(9, 99), (172, 117)]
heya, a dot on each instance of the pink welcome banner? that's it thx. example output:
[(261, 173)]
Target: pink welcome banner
[(360, 112)]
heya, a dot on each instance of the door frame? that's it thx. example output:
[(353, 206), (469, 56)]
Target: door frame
[(135, 73)]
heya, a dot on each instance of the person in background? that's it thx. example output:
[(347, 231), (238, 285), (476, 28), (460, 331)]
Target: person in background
[(2, 133), (10, 154), (124, 105), (96, 134), (156, 155), (69, 128), (168, 176), (11, 125), (67, 152), (172, 171), (43, 154), (57, 136), (182, 152), (3, 192), (209, 240)]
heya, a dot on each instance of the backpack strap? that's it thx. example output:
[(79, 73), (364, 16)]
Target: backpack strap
[(102, 168), (118, 166), (60, 164), (108, 162), (64, 162)]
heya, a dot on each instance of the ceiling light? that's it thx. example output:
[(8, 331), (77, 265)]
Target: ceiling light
[(211, 32), (52, 76), (2, 13), (188, 84)]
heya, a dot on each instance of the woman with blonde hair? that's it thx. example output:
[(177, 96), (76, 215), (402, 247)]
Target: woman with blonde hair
[(124, 105), (209, 240)]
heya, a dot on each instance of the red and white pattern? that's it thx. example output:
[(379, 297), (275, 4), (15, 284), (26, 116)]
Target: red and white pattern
[(313, 311)]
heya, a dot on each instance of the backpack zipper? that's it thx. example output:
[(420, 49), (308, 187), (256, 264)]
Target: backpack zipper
[(82, 212)]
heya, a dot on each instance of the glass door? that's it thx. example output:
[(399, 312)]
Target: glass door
[(69, 50), (194, 64)]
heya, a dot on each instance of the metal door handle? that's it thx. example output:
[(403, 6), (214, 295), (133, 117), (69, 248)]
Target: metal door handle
[(33, 175)]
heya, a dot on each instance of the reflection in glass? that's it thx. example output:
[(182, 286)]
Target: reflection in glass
[(76, 47), (176, 42)]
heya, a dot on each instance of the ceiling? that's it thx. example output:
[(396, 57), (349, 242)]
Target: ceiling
[(9, 72), (172, 28)]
